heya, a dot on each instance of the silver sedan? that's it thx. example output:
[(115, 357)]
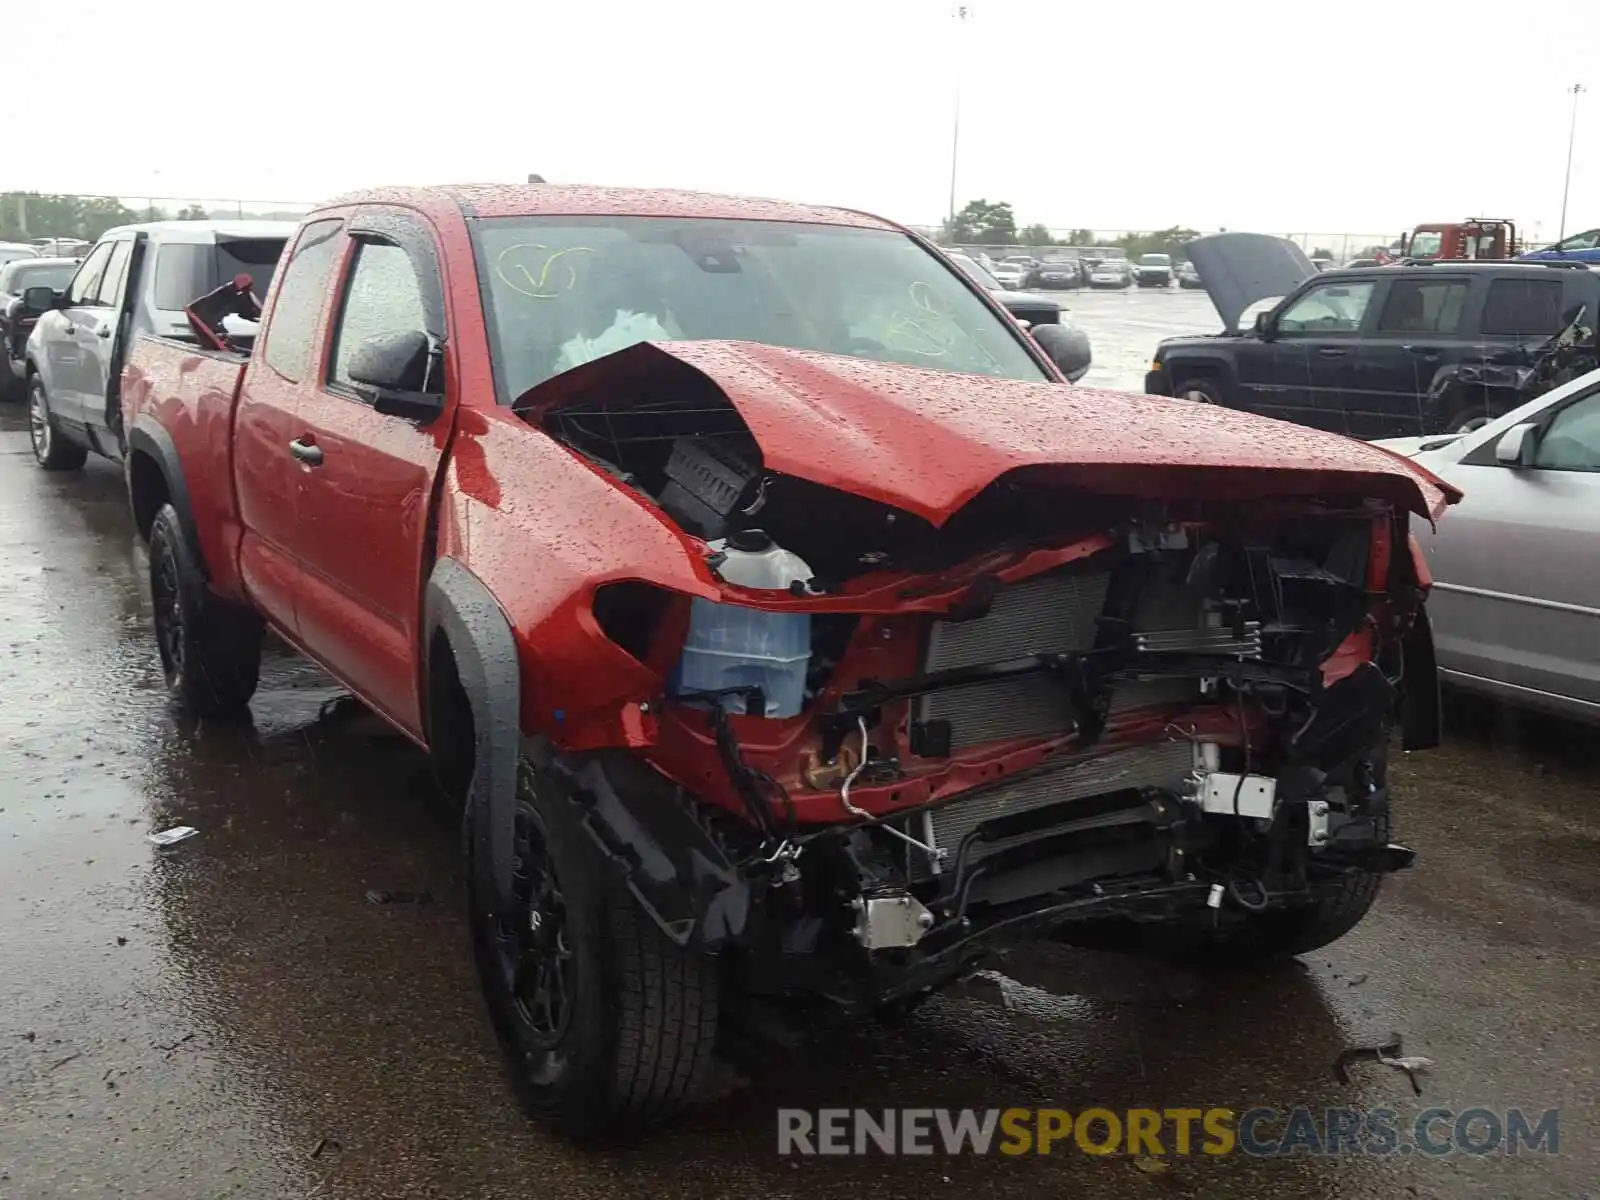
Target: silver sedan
[(1516, 565)]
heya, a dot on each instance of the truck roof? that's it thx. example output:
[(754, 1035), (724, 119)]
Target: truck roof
[(202, 232), (529, 200)]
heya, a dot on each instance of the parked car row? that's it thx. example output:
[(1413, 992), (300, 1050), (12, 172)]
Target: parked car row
[(1033, 311), (779, 624)]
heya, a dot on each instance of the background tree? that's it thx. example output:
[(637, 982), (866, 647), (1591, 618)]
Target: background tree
[(1162, 241), (1038, 235), (1081, 237), (1319, 252), (34, 214), (984, 224), (191, 212)]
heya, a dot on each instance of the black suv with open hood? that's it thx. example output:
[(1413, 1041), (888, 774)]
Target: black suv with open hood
[(1373, 352)]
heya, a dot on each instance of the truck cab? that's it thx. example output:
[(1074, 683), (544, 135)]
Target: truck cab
[(1476, 238), (136, 281)]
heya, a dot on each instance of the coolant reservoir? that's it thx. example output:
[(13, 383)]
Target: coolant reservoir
[(730, 646)]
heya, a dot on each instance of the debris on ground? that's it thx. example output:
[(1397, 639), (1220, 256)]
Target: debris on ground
[(1390, 1054), (382, 896), (168, 837), (1357, 981), (326, 1145)]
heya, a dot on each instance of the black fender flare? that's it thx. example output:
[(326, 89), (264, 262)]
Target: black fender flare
[(456, 603), (149, 437), (1213, 366)]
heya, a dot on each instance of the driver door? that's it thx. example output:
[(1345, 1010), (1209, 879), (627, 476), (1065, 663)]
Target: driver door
[(64, 369), (367, 479), (1311, 375)]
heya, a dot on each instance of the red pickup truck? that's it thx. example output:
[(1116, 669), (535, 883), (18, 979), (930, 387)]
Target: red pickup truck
[(779, 617)]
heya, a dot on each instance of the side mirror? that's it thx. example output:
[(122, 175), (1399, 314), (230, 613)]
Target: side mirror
[(398, 367), (1263, 328), (1068, 348), (1515, 447), (38, 300)]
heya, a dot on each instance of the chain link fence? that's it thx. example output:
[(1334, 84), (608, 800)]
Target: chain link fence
[(32, 216)]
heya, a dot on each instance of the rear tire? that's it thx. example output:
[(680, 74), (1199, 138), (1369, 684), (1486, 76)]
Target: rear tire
[(50, 450), (1464, 416), (210, 651), (605, 1022)]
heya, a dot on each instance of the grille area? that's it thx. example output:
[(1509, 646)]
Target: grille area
[(1161, 765)]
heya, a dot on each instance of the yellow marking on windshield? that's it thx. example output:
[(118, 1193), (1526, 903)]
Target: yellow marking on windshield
[(911, 329), (515, 265)]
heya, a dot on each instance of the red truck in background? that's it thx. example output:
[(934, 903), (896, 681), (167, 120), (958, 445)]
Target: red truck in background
[(780, 619), (1476, 238)]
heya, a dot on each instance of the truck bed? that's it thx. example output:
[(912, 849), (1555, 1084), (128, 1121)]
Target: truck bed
[(178, 404)]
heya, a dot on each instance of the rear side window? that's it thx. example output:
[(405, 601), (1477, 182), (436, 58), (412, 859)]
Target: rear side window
[(1522, 307), (1423, 306), (292, 326)]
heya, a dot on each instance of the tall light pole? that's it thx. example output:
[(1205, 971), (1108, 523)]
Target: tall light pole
[(1577, 90), (955, 131)]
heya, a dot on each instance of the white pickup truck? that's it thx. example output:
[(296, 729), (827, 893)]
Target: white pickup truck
[(137, 280)]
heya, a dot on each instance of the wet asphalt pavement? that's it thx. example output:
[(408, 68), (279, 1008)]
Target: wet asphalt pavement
[(232, 1016)]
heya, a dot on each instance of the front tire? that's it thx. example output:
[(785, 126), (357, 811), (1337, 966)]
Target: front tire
[(1199, 390), (210, 651), (50, 450), (605, 1022), (1337, 907)]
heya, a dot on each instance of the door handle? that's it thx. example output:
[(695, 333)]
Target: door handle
[(306, 452), (1331, 352), (70, 330), (1422, 351), (103, 331)]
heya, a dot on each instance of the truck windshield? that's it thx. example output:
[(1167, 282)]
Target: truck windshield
[(560, 291), (1426, 245)]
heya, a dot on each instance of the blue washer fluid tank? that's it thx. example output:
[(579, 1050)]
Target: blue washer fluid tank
[(730, 646)]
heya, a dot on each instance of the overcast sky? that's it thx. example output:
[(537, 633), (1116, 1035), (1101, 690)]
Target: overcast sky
[(1349, 117)]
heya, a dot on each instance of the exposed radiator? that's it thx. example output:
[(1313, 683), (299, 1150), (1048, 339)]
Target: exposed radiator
[(1056, 613)]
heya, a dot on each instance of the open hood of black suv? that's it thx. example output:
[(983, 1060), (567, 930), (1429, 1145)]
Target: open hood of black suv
[(1239, 269)]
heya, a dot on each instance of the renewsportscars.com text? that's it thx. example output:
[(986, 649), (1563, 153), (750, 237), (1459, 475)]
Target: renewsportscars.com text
[(1375, 1132)]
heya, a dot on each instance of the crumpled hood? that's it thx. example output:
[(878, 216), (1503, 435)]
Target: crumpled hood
[(1239, 269), (928, 441)]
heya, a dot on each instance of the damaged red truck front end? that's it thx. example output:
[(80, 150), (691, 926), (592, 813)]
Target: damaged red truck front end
[(783, 622), (947, 659)]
